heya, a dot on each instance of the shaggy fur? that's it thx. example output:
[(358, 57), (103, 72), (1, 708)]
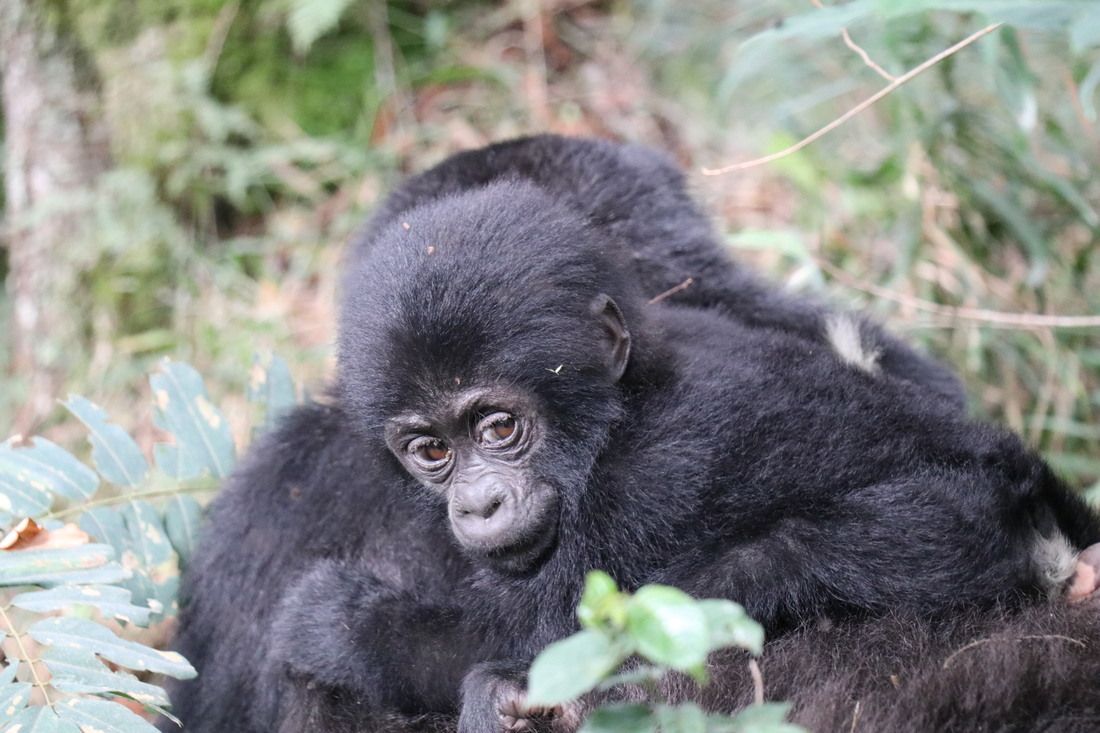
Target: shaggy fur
[(734, 458), (990, 671), (733, 461), (305, 493), (637, 197)]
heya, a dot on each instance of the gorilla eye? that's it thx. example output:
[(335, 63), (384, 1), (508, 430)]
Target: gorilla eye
[(430, 452), (497, 430)]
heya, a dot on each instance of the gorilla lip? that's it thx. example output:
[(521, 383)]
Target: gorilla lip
[(533, 544)]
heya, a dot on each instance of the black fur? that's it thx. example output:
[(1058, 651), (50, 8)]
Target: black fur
[(637, 197), (993, 671), (305, 494), (737, 457), (737, 461)]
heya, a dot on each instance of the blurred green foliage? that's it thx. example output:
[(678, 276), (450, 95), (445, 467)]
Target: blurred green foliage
[(251, 137), (665, 631)]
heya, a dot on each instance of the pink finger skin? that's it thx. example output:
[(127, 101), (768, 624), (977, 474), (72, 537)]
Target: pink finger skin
[(1086, 576)]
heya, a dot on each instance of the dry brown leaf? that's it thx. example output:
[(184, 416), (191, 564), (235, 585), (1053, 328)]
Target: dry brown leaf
[(20, 535), (29, 535)]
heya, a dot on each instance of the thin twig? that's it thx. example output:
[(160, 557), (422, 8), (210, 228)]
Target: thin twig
[(26, 657), (671, 291), (866, 57), (855, 717), (122, 498), (535, 72), (1031, 637), (859, 49), (385, 65), (218, 35), (757, 682), (1000, 319), (904, 78)]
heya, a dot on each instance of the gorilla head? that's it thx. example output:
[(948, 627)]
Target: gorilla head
[(485, 344)]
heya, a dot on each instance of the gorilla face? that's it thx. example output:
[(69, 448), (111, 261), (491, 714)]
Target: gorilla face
[(478, 449), (486, 344)]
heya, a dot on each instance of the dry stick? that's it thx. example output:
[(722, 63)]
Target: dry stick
[(1030, 637), (904, 78), (25, 655), (757, 682), (1001, 319), (859, 50), (866, 57), (671, 291), (122, 498)]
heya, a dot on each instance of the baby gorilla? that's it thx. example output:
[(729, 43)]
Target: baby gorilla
[(499, 349)]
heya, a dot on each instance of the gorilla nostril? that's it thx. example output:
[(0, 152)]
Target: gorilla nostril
[(492, 508)]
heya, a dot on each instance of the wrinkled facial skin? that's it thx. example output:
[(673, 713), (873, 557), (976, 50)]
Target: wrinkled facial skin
[(477, 451)]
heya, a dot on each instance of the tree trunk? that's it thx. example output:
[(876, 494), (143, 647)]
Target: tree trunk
[(55, 149)]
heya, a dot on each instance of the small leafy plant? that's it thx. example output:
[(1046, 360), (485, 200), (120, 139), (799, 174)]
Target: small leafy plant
[(670, 631), (89, 566)]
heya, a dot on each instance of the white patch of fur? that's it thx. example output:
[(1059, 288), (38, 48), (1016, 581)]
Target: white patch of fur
[(846, 340), (1055, 562)]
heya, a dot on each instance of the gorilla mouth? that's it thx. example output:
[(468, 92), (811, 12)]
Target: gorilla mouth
[(530, 547), (527, 551)]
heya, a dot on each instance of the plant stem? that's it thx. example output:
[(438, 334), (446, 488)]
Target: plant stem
[(122, 498), (26, 657)]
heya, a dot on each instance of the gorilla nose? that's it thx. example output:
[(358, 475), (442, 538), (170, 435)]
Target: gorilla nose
[(482, 515), (481, 507)]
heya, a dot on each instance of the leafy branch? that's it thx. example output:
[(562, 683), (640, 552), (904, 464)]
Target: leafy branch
[(670, 631), (119, 569)]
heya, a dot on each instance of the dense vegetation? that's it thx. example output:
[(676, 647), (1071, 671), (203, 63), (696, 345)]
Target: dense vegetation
[(247, 140)]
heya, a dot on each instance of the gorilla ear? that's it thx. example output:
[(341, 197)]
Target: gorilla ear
[(618, 336)]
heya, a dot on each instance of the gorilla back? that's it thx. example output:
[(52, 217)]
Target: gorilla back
[(638, 198)]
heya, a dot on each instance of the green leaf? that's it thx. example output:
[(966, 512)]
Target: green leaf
[(80, 671), (102, 716), (115, 454), (7, 675), (27, 472), (621, 718), (81, 564), (147, 536), (203, 441), (105, 524), (686, 718), (571, 667), (1085, 32), (271, 388), (308, 20), (21, 499), (78, 633), (729, 625), (110, 600), (770, 717), (39, 719), (13, 698), (669, 627), (182, 517), (150, 555), (601, 604)]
